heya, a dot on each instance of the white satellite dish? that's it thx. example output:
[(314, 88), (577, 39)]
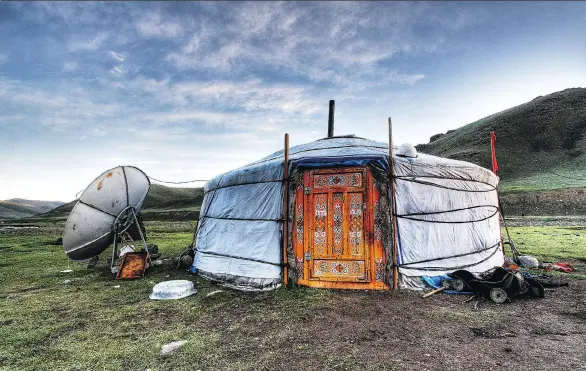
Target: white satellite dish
[(106, 209)]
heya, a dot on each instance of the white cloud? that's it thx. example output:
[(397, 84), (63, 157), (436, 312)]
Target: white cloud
[(70, 66), (207, 117), (60, 109), (406, 79), (153, 26), (249, 95), (100, 131), (4, 58), (338, 44), (120, 57), (193, 45), (91, 44), (117, 70), (12, 118)]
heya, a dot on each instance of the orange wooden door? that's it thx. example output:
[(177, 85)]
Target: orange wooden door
[(337, 231)]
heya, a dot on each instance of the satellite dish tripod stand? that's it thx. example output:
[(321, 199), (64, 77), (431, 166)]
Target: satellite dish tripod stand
[(125, 219)]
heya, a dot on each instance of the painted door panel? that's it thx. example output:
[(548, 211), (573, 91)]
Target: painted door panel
[(334, 232)]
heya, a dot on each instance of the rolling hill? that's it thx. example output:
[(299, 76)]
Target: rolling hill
[(541, 145), (20, 208), (161, 203)]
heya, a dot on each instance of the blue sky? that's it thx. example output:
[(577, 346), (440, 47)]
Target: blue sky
[(190, 90)]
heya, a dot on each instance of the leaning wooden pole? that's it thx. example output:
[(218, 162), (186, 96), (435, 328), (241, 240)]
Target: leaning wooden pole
[(393, 208), (285, 209)]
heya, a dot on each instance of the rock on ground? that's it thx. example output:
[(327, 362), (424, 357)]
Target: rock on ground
[(171, 347)]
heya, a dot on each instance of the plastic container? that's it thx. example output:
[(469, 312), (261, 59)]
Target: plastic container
[(175, 289)]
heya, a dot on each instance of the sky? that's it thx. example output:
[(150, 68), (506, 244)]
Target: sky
[(190, 90)]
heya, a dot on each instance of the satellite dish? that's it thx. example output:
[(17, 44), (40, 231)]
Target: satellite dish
[(106, 208)]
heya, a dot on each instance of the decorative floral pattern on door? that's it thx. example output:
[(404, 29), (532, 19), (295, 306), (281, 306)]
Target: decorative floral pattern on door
[(356, 221), (337, 180), (319, 234), (338, 206), (299, 222), (339, 268), (378, 216)]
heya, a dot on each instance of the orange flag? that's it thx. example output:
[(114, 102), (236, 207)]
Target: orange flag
[(495, 165)]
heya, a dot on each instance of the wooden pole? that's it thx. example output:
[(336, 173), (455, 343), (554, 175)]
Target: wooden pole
[(393, 208), (434, 292), (285, 209)]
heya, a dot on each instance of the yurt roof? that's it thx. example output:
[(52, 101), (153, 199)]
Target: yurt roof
[(346, 151)]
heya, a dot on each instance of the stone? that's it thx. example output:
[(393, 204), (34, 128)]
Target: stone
[(171, 347)]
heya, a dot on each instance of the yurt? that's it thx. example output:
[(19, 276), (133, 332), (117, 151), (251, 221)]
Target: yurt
[(332, 214)]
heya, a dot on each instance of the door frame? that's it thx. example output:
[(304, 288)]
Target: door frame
[(302, 229)]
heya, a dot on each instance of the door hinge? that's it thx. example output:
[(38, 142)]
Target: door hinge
[(307, 190)]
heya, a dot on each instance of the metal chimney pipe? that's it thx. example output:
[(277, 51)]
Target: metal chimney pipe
[(331, 119)]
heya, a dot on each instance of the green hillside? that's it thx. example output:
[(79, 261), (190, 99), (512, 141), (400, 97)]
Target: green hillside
[(13, 211), (541, 144), (19, 208), (167, 201), (168, 198)]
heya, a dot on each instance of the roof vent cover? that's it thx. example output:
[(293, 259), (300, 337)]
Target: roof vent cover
[(406, 150)]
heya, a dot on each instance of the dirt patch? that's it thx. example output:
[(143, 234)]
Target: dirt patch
[(170, 215), (570, 201), (575, 223), (29, 289), (492, 333), (373, 330)]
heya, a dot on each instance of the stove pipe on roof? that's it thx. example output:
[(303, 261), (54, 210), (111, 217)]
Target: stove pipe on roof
[(331, 119)]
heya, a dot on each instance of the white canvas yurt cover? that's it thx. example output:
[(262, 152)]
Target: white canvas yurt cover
[(446, 214)]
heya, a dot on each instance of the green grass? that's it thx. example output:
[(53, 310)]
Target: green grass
[(550, 243), (47, 323), (558, 178)]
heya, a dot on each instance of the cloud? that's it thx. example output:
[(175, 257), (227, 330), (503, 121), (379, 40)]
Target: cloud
[(61, 109), (90, 44), (11, 118), (406, 79), (70, 66), (340, 44), (152, 25), (120, 57), (117, 70), (4, 58), (248, 95), (100, 131)]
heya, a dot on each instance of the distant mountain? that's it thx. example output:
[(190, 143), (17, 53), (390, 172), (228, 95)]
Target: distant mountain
[(20, 208), (161, 203), (541, 145)]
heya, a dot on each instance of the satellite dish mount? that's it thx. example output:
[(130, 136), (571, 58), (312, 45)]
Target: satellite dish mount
[(125, 219)]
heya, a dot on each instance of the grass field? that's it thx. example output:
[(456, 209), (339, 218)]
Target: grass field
[(79, 321), (558, 178)]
